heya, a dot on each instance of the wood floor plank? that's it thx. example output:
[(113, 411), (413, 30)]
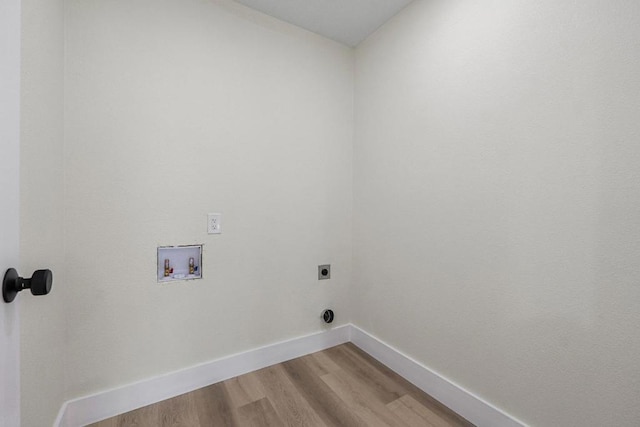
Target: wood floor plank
[(259, 414), (213, 406), (328, 405), (429, 415), (386, 389), (362, 401), (314, 365), (179, 411), (292, 408), (406, 414), (325, 362), (244, 389), (145, 416)]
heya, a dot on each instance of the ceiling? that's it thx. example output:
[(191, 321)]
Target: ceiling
[(345, 21)]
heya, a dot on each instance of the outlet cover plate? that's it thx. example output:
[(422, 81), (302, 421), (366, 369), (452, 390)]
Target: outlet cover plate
[(324, 272), (214, 225)]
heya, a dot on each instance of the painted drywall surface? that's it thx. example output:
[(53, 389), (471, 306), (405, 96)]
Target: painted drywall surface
[(497, 197), (10, 207), (177, 109), (41, 209)]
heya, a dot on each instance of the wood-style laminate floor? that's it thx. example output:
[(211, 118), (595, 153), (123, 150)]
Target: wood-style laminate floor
[(340, 386)]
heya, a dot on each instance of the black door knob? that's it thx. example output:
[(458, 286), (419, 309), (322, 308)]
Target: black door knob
[(39, 283)]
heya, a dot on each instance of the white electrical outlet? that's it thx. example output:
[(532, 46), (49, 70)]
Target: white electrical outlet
[(213, 223)]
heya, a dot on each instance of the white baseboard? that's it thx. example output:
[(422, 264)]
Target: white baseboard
[(463, 402), (99, 406)]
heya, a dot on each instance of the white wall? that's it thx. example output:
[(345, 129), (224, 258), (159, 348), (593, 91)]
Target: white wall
[(41, 204), (9, 207), (177, 109), (497, 197)]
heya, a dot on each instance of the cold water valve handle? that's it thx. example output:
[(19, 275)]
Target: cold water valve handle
[(39, 283)]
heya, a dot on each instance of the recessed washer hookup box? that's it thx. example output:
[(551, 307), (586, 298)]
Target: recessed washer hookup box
[(179, 263)]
